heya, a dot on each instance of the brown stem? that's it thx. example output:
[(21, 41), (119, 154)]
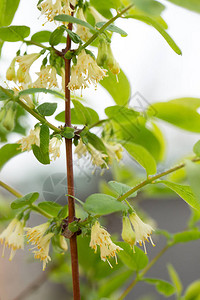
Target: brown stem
[(70, 178)]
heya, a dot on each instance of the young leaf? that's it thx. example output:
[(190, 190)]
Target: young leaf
[(14, 33), (7, 152), (77, 119), (163, 287), (47, 109), (119, 89), (100, 204), (150, 7), (26, 200), (40, 90), (121, 114), (68, 132), (81, 112), (56, 36), (41, 36), (193, 174), (42, 152), (142, 156), (70, 19), (121, 188), (193, 291), (73, 36), (186, 236), (175, 279), (7, 11), (185, 192), (112, 28), (4, 95), (51, 208), (133, 260), (95, 141)]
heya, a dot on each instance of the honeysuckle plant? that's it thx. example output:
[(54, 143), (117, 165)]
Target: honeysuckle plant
[(78, 54)]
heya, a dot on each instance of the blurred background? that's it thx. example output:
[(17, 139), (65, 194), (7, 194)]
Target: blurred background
[(158, 74)]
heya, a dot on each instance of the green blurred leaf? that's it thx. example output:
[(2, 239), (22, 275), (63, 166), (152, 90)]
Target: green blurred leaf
[(119, 89), (186, 236), (193, 174), (163, 287), (184, 191), (7, 152), (193, 291), (7, 11), (14, 33), (121, 188), (134, 261), (196, 148), (175, 279), (51, 208), (26, 200), (193, 5), (40, 90), (121, 114), (150, 7), (5, 94), (47, 109), (142, 156), (101, 204)]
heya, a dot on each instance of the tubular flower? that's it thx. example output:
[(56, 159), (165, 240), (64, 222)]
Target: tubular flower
[(54, 147), (143, 231), (32, 139), (50, 9), (85, 72), (97, 157), (13, 237), (81, 150), (36, 233), (98, 17), (46, 78), (63, 243), (100, 237), (10, 74), (128, 235), (43, 249), (114, 151), (25, 63), (83, 31)]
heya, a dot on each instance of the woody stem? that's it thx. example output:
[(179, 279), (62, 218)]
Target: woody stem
[(70, 177)]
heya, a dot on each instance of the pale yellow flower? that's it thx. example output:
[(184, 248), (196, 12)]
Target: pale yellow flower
[(25, 63), (36, 233), (50, 9), (85, 72), (46, 78), (98, 17), (10, 74), (63, 243), (81, 150), (13, 237), (83, 31), (143, 231), (54, 147), (114, 151), (100, 237), (32, 139), (128, 235)]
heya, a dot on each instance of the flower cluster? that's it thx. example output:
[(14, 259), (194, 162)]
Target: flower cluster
[(85, 72), (100, 237), (142, 231), (50, 9), (46, 78), (54, 147), (13, 237)]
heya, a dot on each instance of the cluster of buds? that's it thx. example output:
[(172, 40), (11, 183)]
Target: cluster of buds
[(105, 57), (141, 233), (100, 237)]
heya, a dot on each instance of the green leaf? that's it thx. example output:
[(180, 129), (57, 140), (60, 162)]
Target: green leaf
[(112, 28), (14, 33), (40, 90), (196, 148), (7, 11), (134, 261), (104, 6), (26, 200), (175, 279), (70, 19), (193, 174), (63, 212), (41, 36), (51, 208), (5, 94), (56, 36), (101, 204), (74, 37), (42, 152), (193, 291), (159, 28), (142, 156), (47, 109), (68, 132), (151, 7), (193, 5), (184, 191), (7, 152), (81, 112), (186, 236), (178, 114), (92, 116), (113, 283), (95, 141), (163, 287), (121, 188), (120, 90), (121, 114)]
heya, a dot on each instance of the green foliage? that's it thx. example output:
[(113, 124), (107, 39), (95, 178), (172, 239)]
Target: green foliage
[(112, 28), (27, 200), (47, 109), (175, 280), (151, 7), (56, 35), (196, 148), (193, 174), (67, 18), (14, 33), (121, 188), (41, 36), (193, 5), (7, 152), (68, 132), (42, 152), (40, 90), (193, 291), (163, 287), (121, 114), (7, 11), (101, 204), (186, 236), (5, 94), (51, 208)]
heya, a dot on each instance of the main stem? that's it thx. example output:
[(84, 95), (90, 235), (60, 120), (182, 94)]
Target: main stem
[(70, 177)]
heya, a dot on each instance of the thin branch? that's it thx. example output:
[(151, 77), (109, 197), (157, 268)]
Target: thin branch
[(153, 178), (29, 43), (10, 189)]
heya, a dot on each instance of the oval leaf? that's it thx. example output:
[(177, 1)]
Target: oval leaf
[(26, 200), (40, 90), (47, 109), (14, 33), (7, 152), (51, 208)]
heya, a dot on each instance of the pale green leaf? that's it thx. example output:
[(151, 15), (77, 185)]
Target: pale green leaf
[(51, 208), (24, 201), (193, 5), (7, 152), (70, 19), (163, 287), (40, 90), (175, 279), (14, 33), (121, 188)]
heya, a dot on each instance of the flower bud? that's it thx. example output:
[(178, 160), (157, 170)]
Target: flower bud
[(63, 243), (2, 114), (98, 17), (128, 235), (10, 74), (9, 119), (102, 52), (111, 62)]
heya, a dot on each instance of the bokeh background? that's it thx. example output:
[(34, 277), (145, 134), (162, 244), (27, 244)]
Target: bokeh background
[(158, 74)]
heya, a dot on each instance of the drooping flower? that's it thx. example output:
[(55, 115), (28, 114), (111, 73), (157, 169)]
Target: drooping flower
[(32, 139), (9, 118), (128, 235), (98, 17), (10, 74), (83, 31), (100, 237), (85, 72), (54, 147), (63, 243), (36, 233), (50, 9), (81, 149), (25, 63), (13, 237), (143, 231), (114, 151), (46, 78), (105, 56)]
